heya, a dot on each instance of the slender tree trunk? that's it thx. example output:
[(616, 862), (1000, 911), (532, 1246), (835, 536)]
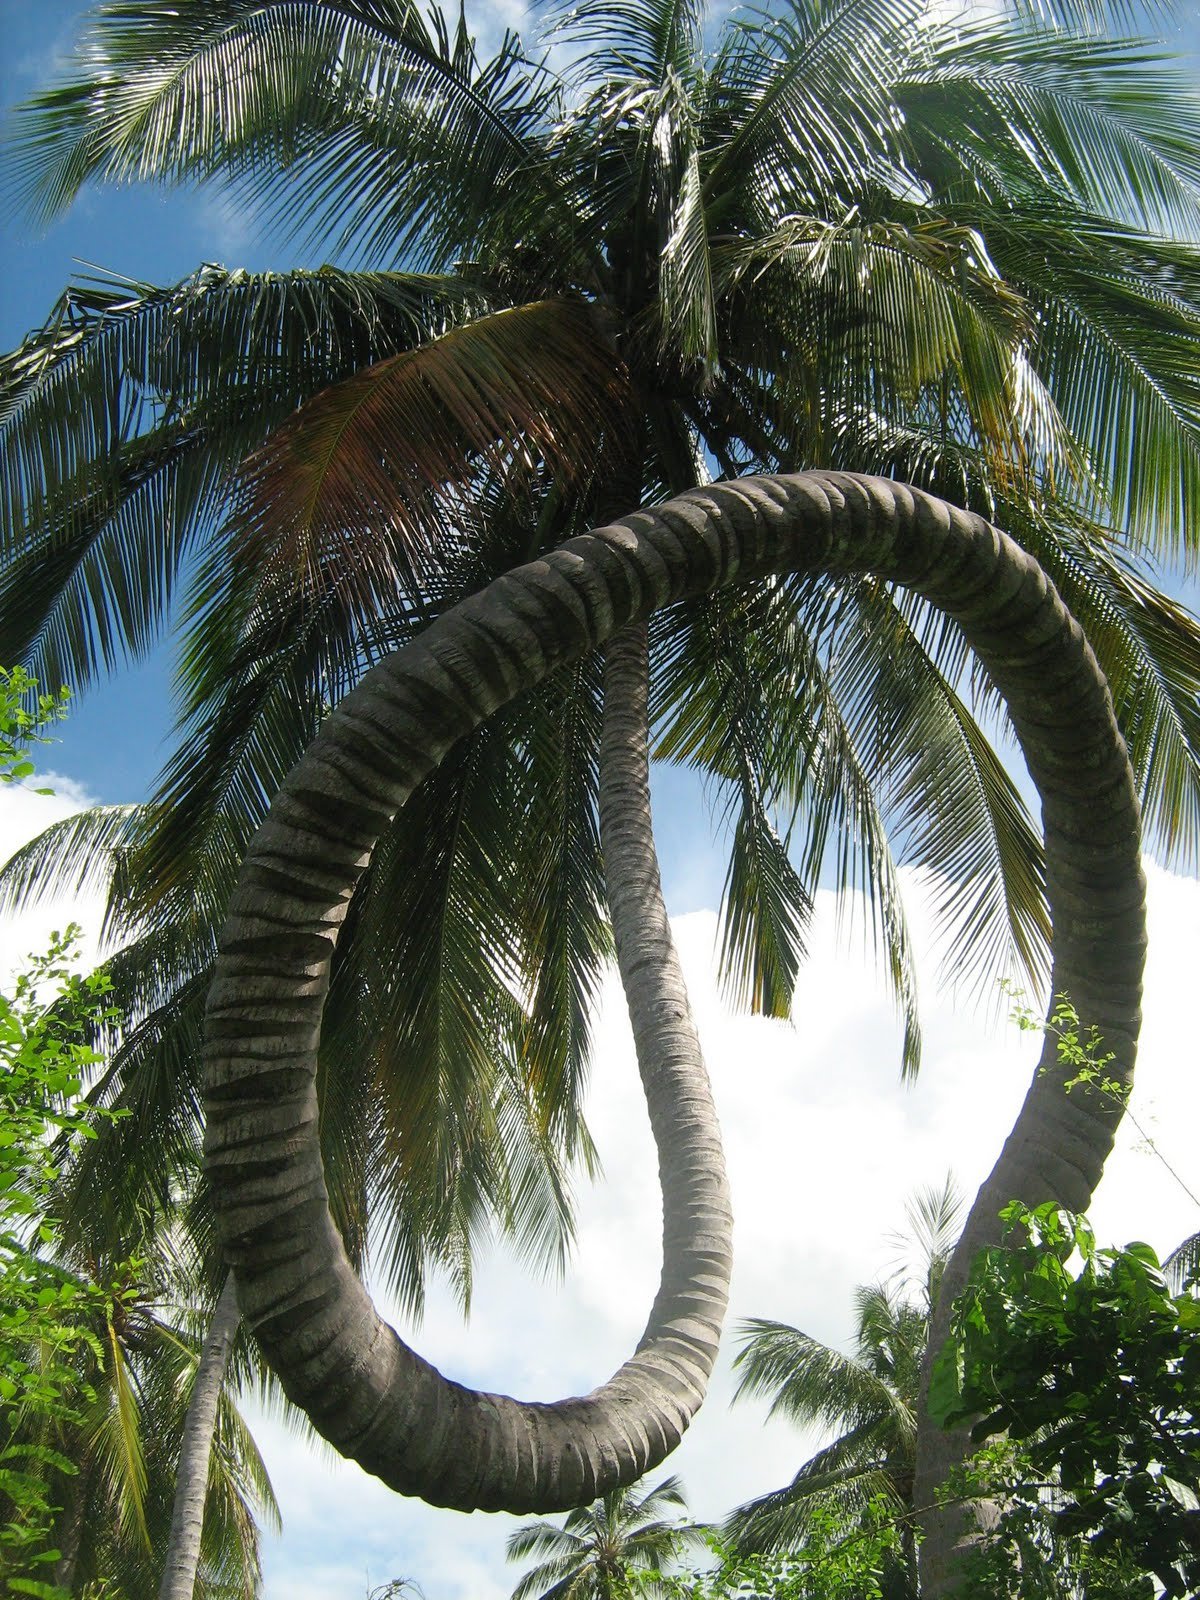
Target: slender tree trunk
[(68, 1533), (370, 1395), (195, 1448), (683, 1118)]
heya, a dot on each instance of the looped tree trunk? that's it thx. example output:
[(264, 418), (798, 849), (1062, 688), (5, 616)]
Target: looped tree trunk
[(372, 1397)]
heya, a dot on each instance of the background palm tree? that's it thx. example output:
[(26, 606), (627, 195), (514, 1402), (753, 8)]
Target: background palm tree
[(602, 1550), (124, 1443), (868, 1399)]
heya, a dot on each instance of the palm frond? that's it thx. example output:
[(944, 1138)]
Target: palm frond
[(344, 93), (1118, 346), (934, 1217), (959, 812), (1083, 16), (686, 294), (121, 1445), (801, 755), (886, 310), (428, 993), (642, 40), (154, 1077), (1083, 118), (766, 906), (352, 472), (69, 859), (562, 903), (842, 1477), (539, 1539), (795, 134), (124, 417), (808, 1381), (1149, 647), (1183, 1264)]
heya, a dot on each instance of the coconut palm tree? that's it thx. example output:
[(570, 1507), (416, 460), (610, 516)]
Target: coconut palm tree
[(600, 1547), (363, 1388), (122, 1443), (762, 257), (869, 1399)]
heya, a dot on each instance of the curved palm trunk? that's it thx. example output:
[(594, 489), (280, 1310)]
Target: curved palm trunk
[(195, 1448), (371, 1396)]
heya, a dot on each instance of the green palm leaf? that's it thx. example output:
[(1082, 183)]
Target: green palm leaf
[(363, 458), (71, 858), (780, 87), (808, 1381), (836, 1477), (643, 40), (1083, 118), (125, 416), (239, 84)]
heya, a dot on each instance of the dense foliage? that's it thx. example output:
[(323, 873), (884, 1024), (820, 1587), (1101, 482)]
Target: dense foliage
[(48, 1315), (580, 273), (1093, 1373)]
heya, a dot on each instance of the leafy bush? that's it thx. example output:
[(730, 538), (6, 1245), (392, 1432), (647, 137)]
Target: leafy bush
[(1093, 1376)]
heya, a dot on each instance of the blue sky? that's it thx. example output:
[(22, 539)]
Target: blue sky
[(816, 1186)]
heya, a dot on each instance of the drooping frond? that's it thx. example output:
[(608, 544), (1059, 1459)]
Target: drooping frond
[(767, 905), (1183, 1264), (808, 1381), (563, 903), (642, 40), (843, 1476), (957, 811), (125, 416), (795, 758), (344, 485), (1107, 125), (152, 1153), (1117, 344), (430, 995), (686, 293), (69, 859), (1149, 646)]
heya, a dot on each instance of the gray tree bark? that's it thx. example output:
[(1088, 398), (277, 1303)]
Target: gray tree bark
[(68, 1534), (697, 1221), (371, 1396), (195, 1449)]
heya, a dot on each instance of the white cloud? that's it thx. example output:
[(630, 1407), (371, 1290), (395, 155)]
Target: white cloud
[(824, 1147), (228, 223), (23, 815)]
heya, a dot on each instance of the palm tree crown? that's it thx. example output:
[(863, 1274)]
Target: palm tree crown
[(869, 1399), (599, 1547)]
